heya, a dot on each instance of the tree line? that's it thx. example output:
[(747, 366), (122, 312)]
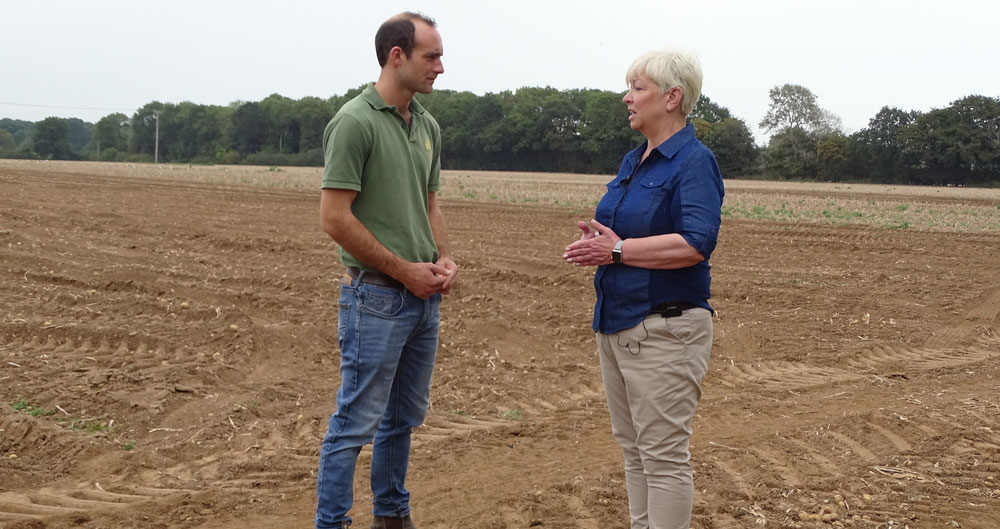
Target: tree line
[(547, 130)]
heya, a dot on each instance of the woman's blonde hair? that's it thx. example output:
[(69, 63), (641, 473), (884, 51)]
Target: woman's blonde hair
[(669, 68)]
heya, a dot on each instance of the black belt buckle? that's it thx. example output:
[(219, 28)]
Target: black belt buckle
[(672, 309)]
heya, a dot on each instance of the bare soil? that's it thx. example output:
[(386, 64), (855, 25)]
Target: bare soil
[(168, 360)]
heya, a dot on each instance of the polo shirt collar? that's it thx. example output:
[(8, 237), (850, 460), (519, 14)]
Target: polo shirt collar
[(373, 98)]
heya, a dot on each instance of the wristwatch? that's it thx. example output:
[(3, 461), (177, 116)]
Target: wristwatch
[(616, 252)]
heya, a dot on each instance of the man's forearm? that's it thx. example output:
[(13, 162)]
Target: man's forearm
[(438, 230), (440, 234), (348, 232)]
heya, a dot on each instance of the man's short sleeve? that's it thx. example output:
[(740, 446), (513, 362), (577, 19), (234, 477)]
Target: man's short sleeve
[(434, 180), (346, 145)]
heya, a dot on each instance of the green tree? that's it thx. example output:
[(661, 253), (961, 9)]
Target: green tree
[(192, 132), (829, 124), (143, 139), (876, 150), (534, 129), (833, 158), (605, 131), (250, 128), (498, 136), (51, 139), (799, 124), (562, 121), (544, 127), (473, 129), (170, 136), (525, 113), (172, 119), (79, 134), (310, 116), (795, 106), (709, 111), (792, 154), (112, 132), (959, 144), (732, 143), (22, 130), (459, 114), (277, 111), (7, 143), (523, 127)]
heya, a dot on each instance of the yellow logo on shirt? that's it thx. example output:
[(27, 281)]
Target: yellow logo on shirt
[(427, 144)]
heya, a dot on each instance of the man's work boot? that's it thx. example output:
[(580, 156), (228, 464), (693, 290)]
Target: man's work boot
[(392, 522)]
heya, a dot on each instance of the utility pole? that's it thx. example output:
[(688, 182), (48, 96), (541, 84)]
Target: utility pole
[(156, 145)]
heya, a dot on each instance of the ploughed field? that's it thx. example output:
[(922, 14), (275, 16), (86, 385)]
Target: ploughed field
[(168, 356)]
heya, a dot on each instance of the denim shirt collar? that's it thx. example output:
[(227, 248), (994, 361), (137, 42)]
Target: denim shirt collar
[(668, 149)]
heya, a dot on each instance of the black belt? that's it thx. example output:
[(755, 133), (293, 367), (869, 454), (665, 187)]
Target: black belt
[(370, 276), (671, 309)]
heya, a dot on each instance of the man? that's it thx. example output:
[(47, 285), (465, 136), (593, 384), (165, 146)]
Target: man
[(379, 204)]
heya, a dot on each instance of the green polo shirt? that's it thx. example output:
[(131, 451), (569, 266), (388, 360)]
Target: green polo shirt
[(369, 148)]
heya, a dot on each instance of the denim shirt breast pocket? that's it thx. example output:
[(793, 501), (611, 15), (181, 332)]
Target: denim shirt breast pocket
[(648, 201), (605, 211)]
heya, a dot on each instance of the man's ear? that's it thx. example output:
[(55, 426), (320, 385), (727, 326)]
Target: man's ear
[(396, 56)]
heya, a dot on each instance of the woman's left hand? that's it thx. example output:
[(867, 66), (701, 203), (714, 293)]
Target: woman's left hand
[(594, 247)]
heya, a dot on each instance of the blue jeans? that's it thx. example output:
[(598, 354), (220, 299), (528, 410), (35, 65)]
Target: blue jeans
[(388, 341)]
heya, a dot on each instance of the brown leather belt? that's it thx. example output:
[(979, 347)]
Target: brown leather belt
[(359, 275)]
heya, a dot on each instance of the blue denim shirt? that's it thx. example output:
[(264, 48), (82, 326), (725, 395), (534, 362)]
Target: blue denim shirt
[(677, 189)]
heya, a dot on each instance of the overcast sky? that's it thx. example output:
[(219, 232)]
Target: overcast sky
[(86, 59)]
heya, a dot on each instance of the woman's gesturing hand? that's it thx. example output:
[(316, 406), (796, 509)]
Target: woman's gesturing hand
[(594, 246)]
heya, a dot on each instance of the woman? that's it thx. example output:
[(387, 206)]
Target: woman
[(651, 239)]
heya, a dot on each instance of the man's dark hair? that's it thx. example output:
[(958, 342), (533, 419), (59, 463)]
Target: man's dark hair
[(398, 31)]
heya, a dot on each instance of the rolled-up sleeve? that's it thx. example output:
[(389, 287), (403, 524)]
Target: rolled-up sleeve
[(698, 203)]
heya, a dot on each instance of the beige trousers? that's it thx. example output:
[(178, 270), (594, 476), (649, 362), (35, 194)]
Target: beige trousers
[(652, 378)]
